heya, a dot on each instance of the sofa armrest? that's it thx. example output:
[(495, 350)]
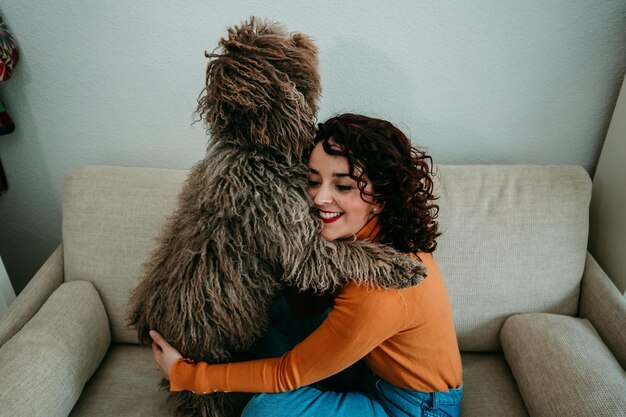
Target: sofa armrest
[(45, 366), (30, 300), (605, 307), (562, 366)]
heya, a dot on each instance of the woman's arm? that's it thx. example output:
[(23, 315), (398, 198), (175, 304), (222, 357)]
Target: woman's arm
[(361, 319)]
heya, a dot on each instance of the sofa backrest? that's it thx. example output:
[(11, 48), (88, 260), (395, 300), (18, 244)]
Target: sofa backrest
[(110, 218), (514, 238)]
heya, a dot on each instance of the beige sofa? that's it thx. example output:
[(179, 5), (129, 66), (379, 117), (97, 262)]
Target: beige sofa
[(541, 328)]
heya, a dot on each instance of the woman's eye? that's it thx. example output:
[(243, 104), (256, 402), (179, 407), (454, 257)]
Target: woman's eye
[(311, 183), (344, 187)]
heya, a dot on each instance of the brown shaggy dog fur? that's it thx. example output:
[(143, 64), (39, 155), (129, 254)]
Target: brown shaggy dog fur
[(244, 227)]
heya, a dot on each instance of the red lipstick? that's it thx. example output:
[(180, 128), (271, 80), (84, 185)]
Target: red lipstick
[(332, 220)]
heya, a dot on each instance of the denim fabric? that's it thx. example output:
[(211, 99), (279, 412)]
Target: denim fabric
[(357, 391)]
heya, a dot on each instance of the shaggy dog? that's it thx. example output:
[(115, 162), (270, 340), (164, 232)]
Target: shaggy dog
[(244, 226)]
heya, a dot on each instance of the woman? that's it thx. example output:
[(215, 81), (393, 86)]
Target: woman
[(366, 182)]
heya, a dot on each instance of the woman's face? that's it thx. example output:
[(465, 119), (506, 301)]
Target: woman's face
[(336, 196)]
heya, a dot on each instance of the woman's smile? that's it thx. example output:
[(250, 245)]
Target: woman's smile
[(328, 216)]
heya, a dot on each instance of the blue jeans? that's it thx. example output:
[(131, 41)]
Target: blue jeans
[(357, 391)]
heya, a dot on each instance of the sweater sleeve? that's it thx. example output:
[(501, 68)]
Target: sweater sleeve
[(360, 320)]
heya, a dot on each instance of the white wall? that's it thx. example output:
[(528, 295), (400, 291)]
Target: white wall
[(115, 82), (607, 219)]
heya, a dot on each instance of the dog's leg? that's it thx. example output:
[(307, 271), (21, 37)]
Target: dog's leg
[(328, 265)]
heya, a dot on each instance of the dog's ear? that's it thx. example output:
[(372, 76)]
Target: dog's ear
[(303, 69), (262, 88)]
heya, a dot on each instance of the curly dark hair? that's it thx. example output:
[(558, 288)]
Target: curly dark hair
[(401, 177)]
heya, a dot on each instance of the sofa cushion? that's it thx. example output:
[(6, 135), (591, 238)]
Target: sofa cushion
[(489, 387), (111, 216), (126, 384), (514, 240), (562, 366), (46, 364)]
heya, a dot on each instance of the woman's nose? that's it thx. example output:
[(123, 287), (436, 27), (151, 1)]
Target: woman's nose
[(322, 196)]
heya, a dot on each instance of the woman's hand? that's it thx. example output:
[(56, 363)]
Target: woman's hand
[(164, 354)]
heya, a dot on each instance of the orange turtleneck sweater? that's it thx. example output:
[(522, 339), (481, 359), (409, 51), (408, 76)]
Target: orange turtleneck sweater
[(405, 336)]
